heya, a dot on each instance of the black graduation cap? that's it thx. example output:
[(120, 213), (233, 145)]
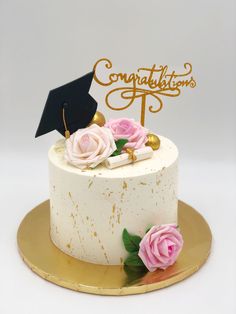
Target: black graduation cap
[(68, 108)]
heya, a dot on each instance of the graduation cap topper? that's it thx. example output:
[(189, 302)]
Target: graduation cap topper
[(68, 108)]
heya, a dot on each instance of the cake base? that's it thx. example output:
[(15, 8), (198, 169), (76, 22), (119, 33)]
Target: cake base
[(46, 260)]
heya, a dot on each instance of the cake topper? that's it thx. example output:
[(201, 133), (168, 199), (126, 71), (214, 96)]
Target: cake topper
[(147, 86), (68, 107)]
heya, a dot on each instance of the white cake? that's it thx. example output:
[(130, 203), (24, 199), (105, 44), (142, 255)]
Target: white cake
[(90, 209)]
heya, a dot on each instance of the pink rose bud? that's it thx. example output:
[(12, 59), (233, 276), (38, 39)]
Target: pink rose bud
[(130, 130), (160, 247)]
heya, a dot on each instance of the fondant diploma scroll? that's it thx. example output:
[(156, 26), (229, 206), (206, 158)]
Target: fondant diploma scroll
[(124, 158), (148, 85)]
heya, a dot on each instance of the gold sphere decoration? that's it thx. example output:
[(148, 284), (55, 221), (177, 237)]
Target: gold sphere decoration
[(153, 141), (98, 119)]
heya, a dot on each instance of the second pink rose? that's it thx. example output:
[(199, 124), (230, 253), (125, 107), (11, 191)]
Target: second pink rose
[(130, 130)]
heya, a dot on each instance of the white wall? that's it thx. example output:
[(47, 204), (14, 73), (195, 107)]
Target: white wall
[(47, 43)]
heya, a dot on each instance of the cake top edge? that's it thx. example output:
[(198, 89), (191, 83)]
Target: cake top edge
[(164, 157)]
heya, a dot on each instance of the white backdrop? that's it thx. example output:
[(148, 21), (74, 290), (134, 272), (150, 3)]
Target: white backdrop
[(44, 44)]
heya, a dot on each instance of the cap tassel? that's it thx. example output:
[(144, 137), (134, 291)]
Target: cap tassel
[(67, 132)]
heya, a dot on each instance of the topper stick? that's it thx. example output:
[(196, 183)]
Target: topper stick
[(143, 103)]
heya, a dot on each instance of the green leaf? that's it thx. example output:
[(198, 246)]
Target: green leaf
[(133, 260), (121, 143), (135, 269), (119, 146), (131, 242), (148, 228), (134, 273)]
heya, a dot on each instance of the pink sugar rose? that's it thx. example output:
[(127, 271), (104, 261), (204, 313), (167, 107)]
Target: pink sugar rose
[(160, 247), (86, 148), (130, 130)]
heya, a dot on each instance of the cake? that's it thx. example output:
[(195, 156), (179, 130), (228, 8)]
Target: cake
[(113, 185), (90, 209)]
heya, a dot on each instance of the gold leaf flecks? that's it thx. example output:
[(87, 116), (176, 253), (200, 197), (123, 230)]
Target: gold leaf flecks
[(90, 183), (125, 185), (106, 257), (118, 218)]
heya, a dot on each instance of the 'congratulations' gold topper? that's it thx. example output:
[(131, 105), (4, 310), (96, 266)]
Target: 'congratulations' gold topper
[(146, 83)]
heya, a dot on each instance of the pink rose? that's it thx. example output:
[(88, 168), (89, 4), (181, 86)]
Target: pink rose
[(130, 130), (160, 247), (86, 148)]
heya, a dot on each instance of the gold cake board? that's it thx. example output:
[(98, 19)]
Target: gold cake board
[(46, 260)]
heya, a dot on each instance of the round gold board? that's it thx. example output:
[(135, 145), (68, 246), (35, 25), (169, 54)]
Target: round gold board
[(46, 260)]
